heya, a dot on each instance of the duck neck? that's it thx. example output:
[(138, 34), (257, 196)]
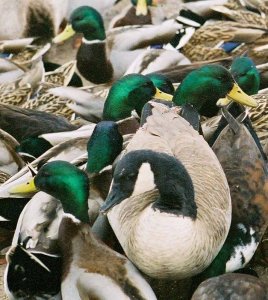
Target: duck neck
[(74, 202), (99, 33), (103, 147), (93, 62)]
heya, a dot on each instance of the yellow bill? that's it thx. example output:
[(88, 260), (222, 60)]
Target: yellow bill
[(141, 8), (24, 188), (223, 102), (237, 95), (64, 35), (162, 96)]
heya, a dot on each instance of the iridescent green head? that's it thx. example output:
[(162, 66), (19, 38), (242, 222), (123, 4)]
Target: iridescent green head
[(104, 146), (34, 146), (86, 20), (205, 86), (162, 82), (129, 93), (67, 183), (246, 75), (63, 181)]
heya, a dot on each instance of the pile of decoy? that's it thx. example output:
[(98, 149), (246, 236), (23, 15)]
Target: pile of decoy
[(150, 182)]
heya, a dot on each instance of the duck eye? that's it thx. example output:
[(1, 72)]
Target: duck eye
[(78, 18), (45, 174)]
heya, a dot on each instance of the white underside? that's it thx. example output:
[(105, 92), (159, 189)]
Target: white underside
[(79, 284), (244, 252)]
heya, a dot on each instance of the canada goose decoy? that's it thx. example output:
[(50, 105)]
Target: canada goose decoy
[(157, 187)]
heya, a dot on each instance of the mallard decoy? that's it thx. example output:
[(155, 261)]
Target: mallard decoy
[(247, 77), (129, 93), (157, 186), (69, 150), (155, 60), (205, 44), (249, 200), (32, 18), (196, 89), (45, 101), (18, 91), (62, 75), (22, 123), (74, 147), (138, 13), (92, 261), (239, 286), (93, 62), (237, 11)]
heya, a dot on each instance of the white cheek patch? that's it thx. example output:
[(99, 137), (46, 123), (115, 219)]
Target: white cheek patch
[(145, 180)]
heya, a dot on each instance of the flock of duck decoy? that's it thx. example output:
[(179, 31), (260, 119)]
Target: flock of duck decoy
[(154, 174)]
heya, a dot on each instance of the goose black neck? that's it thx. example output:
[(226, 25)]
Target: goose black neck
[(173, 182)]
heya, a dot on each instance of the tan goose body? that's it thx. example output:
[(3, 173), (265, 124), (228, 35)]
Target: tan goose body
[(162, 244)]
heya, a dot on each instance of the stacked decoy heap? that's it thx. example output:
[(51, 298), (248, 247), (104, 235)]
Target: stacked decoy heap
[(128, 194)]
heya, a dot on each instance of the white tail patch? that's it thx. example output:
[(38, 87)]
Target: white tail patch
[(242, 254), (145, 180)]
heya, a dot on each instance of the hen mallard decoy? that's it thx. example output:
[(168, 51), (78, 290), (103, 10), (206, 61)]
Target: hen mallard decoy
[(208, 41), (98, 64), (44, 100), (239, 286), (164, 195), (20, 89), (85, 260), (243, 12)]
